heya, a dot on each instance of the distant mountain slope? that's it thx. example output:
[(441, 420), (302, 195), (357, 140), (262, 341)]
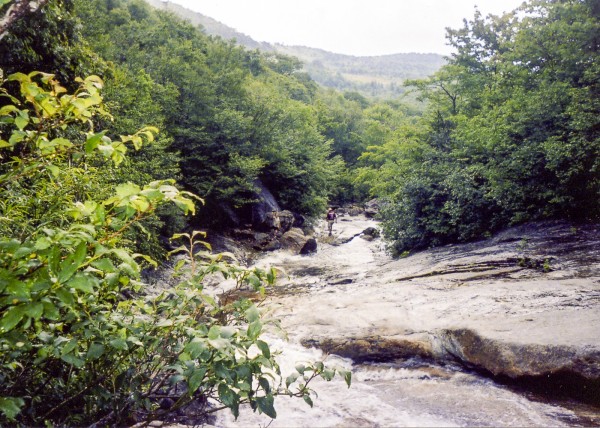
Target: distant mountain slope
[(374, 76)]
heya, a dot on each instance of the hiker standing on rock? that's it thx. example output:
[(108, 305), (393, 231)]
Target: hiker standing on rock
[(331, 218)]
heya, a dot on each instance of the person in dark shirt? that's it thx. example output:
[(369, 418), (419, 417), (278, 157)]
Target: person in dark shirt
[(331, 218)]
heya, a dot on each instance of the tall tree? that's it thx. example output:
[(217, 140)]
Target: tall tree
[(511, 132)]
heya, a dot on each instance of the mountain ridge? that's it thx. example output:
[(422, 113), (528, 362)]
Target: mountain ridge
[(379, 76)]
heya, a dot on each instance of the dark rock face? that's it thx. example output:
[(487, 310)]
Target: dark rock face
[(266, 205), (232, 219), (221, 243), (286, 220), (271, 246), (310, 247), (299, 220)]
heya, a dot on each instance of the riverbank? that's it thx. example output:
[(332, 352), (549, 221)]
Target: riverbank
[(522, 307)]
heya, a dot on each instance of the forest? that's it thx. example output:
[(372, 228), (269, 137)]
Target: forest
[(126, 132)]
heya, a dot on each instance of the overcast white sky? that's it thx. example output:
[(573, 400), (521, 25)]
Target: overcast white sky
[(354, 27)]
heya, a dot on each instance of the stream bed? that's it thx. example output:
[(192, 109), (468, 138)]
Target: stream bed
[(345, 291)]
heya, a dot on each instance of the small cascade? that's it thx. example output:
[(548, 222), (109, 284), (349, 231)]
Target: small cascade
[(349, 291)]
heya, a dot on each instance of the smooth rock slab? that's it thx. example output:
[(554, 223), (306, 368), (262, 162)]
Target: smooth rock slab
[(525, 303)]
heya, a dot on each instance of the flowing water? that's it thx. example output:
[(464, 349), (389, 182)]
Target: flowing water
[(406, 393)]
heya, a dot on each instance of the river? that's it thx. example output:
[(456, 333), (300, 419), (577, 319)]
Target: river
[(339, 291)]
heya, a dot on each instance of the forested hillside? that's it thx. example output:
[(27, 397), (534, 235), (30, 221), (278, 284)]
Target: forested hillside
[(512, 131), (117, 121), (121, 125), (372, 76)]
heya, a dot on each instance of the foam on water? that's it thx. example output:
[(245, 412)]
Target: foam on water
[(417, 394), (388, 396)]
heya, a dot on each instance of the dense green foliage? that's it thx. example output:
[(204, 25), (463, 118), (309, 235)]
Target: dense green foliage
[(511, 133), (82, 340), (235, 116)]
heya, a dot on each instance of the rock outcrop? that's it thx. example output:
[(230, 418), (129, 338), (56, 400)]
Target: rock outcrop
[(522, 305)]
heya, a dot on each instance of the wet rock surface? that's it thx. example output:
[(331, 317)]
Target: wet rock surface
[(524, 304)]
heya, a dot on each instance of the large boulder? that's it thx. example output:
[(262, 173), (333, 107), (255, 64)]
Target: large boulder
[(372, 208), (286, 220), (309, 247), (294, 240), (372, 231)]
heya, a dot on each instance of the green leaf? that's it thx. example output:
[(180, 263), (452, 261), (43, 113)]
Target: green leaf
[(328, 374), (22, 252), (70, 346), (291, 379), (214, 332), (264, 384), (42, 243), (271, 276), (83, 282), (54, 170), (21, 122), (252, 314), (92, 141), (195, 348), (65, 296), (11, 406), (165, 323), (35, 310), (7, 109), (254, 281), (308, 400), (17, 137), (227, 332), (347, 377), (219, 344), (135, 340), (119, 344), (12, 317), (95, 351), (227, 396), (148, 259), (51, 311), (105, 265), (127, 189), (73, 360), (265, 405), (254, 329), (61, 142), (196, 380), (264, 348), (72, 263)]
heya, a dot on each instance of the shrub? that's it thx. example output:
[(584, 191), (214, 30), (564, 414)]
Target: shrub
[(80, 340)]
